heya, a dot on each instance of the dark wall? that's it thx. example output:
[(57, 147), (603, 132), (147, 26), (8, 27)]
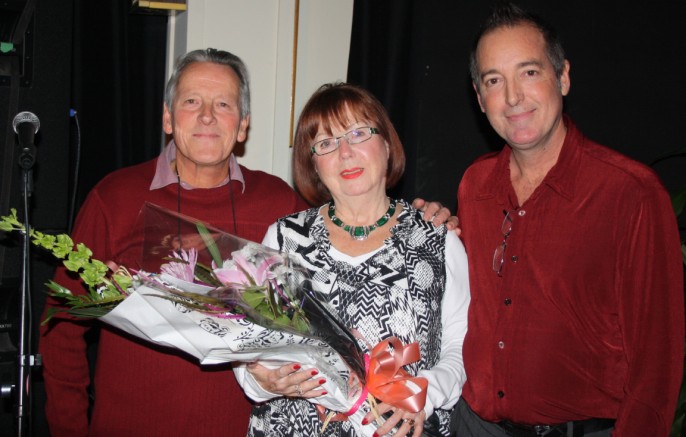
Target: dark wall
[(626, 85)]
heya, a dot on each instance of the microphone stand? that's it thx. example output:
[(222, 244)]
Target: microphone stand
[(26, 359)]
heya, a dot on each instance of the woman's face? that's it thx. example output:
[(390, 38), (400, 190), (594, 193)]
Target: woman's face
[(356, 171)]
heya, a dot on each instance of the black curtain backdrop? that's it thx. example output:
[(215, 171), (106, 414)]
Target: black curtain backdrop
[(626, 91), (107, 63), (45, 92), (117, 86)]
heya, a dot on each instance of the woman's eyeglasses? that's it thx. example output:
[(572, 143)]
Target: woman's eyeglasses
[(355, 136)]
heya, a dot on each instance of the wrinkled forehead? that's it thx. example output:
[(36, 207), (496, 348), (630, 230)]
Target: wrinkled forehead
[(208, 74)]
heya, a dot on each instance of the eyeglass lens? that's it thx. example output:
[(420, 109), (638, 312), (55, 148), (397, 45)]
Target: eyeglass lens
[(499, 254), (355, 136)]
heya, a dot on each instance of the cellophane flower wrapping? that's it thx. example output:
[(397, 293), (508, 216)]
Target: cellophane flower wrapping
[(288, 325)]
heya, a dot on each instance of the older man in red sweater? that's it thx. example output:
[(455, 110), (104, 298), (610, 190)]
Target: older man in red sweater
[(140, 389)]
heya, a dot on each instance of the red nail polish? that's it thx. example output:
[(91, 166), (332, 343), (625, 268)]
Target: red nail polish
[(314, 372), (322, 381), (296, 367), (365, 421), (324, 393), (376, 434)]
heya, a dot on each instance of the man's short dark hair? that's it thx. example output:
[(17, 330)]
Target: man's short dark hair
[(506, 14)]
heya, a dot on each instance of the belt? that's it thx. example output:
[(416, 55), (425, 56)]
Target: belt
[(576, 428)]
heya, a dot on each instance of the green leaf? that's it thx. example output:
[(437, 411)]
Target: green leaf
[(71, 265), (63, 246), (247, 275), (204, 274), (49, 315), (6, 226), (253, 297), (103, 293), (109, 292), (90, 313), (78, 259), (271, 299), (45, 241), (678, 201), (57, 288), (299, 323), (282, 320), (10, 222), (210, 243), (84, 251), (200, 299), (123, 281), (93, 272), (83, 306)]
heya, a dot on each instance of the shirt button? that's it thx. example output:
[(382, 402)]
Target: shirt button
[(514, 258), (501, 344), (501, 394), (521, 213), (508, 301)]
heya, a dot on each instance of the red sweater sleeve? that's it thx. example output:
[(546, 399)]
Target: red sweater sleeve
[(62, 344)]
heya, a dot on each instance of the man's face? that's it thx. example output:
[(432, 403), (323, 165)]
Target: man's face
[(518, 89), (205, 117)]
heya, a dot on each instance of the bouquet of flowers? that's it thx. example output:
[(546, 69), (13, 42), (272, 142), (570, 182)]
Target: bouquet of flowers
[(220, 298)]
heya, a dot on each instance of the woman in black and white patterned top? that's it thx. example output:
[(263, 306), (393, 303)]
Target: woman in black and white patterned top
[(382, 268)]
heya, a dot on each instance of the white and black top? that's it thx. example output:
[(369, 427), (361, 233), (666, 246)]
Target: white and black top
[(415, 287)]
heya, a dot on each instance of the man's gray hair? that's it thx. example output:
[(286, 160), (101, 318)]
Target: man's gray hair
[(216, 57)]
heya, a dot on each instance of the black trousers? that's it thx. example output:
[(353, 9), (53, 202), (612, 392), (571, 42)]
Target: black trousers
[(466, 423)]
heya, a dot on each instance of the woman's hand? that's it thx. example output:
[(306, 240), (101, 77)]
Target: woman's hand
[(288, 380), (408, 423)]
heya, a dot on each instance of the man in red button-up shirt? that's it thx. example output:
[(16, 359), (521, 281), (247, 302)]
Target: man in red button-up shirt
[(577, 316)]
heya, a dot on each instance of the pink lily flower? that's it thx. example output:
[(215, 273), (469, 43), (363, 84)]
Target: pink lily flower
[(240, 271)]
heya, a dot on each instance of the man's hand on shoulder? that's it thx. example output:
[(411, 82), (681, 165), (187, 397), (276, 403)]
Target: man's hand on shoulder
[(438, 214)]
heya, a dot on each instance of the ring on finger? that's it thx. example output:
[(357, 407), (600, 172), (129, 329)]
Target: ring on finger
[(298, 390), (409, 422)]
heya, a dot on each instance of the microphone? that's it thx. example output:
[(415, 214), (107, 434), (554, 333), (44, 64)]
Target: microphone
[(26, 125)]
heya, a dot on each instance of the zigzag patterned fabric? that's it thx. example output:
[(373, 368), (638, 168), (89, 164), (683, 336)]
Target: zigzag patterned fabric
[(396, 291)]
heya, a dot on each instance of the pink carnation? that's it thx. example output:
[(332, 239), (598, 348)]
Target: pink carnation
[(183, 266)]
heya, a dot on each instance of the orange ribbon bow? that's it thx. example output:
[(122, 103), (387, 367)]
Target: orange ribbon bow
[(389, 382)]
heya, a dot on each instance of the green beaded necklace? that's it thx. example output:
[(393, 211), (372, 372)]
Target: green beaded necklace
[(360, 232)]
